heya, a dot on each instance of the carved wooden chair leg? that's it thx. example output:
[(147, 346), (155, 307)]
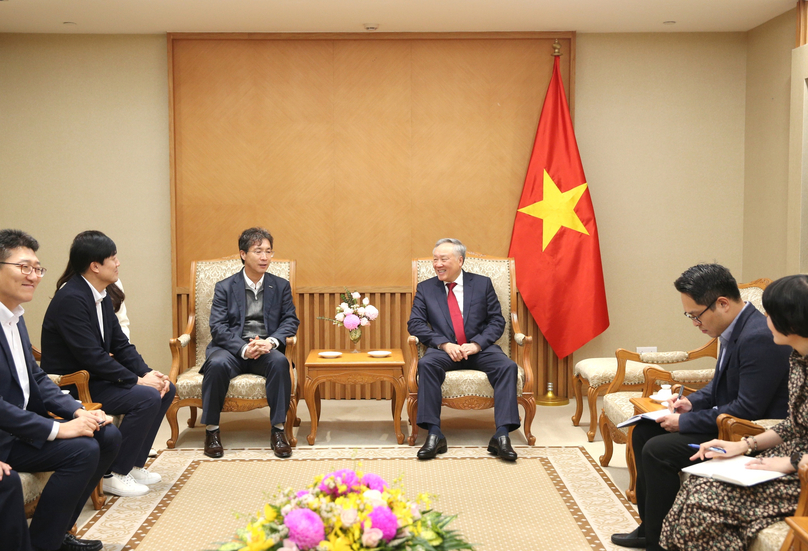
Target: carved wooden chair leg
[(290, 423), (577, 385), (192, 419), (529, 404), (412, 413), (98, 496), (592, 400), (171, 416), (631, 493), (607, 441)]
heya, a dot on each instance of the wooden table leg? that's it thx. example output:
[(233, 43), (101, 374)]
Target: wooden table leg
[(309, 389), (399, 389)]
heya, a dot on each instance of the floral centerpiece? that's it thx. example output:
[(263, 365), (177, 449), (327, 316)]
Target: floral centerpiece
[(347, 511), (353, 315)]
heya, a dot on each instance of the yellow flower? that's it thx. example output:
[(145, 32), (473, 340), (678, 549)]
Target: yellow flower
[(337, 543), (270, 514)]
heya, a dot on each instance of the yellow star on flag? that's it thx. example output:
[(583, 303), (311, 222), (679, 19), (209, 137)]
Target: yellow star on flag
[(556, 209)]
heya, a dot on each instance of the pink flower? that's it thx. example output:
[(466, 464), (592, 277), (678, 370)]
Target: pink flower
[(289, 545), (355, 295), (301, 493), (348, 516), (384, 519), (371, 537), (371, 312), (374, 482), (364, 322), (366, 301), (351, 322), (343, 477), (306, 528)]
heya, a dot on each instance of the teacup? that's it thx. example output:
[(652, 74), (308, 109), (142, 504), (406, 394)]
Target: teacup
[(665, 391)]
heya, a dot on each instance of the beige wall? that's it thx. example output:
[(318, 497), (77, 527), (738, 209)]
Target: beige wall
[(660, 120), (660, 126), (768, 82), (84, 145)]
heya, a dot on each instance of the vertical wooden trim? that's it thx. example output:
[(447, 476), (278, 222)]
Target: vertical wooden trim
[(802, 23), (172, 170)]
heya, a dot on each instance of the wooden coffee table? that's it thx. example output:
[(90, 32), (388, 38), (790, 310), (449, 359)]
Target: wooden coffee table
[(351, 369)]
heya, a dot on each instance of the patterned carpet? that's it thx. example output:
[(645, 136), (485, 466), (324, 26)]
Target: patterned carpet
[(551, 498)]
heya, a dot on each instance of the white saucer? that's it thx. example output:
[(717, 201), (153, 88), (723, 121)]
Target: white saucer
[(379, 353), (658, 398), (329, 354)]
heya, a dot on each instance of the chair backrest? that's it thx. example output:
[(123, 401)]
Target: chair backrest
[(501, 272), (753, 292), (206, 274)]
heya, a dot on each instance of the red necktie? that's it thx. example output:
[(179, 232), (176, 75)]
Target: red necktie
[(457, 317)]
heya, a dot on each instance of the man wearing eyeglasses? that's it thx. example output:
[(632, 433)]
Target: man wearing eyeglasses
[(251, 316), (750, 382), (78, 450)]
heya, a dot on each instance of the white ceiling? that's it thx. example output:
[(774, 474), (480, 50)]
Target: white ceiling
[(159, 16)]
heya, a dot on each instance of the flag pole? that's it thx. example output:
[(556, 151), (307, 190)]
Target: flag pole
[(550, 398)]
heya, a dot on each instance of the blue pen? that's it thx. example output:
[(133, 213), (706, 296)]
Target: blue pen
[(712, 449)]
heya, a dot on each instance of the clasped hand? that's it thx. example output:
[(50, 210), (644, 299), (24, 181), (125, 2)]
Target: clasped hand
[(157, 381), (84, 423), (257, 347), (459, 352)]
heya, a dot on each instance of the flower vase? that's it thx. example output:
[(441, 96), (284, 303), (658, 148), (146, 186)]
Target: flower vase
[(355, 335)]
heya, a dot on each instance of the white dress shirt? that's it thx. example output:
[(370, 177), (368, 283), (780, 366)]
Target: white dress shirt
[(256, 288), (98, 297), (458, 290)]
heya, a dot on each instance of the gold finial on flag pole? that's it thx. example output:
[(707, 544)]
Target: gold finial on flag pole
[(556, 48)]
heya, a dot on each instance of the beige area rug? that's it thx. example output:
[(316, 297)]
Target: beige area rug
[(551, 498)]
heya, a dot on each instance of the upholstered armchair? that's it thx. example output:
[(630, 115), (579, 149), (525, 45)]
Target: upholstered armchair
[(34, 483), (246, 392), (469, 389), (616, 405)]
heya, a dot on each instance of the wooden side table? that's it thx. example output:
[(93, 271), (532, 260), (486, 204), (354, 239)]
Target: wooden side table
[(350, 369), (641, 405)]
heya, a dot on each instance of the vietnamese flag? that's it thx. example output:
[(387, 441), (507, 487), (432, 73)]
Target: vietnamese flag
[(555, 237)]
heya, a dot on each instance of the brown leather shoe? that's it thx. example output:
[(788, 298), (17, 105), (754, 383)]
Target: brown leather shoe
[(213, 446), (278, 442)]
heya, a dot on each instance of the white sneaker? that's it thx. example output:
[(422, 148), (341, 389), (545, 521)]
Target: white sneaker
[(124, 486), (144, 476)]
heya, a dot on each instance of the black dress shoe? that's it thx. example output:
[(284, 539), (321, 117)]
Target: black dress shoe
[(277, 442), (632, 539), (501, 446), (72, 543), (433, 446), (213, 446)]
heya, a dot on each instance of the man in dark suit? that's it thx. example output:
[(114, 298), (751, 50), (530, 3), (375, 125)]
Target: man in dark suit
[(79, 451), (80, 331), (457, 316), (251, 316), (750, 381)]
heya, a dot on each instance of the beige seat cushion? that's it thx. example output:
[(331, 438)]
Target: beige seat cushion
[(33, 484), (770, 538), (601, 371), (617, 407), (468, 382), (248, 386)]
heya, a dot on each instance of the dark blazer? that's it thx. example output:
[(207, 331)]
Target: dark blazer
[(71, 339), (229, 308), (431, 322), (753, 384), (32, 425)]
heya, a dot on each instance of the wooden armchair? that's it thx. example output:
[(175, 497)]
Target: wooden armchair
[(246, 392), (34, 483), (468, 389), (778, 535), (616, 405)]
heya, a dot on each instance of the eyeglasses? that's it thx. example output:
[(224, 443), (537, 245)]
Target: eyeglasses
[(269, 254), (696, 318), (26, 269)]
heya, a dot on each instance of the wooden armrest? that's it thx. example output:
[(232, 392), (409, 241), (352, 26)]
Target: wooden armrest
[(81, 380), (523, 352), (734, 428), (412, 372)]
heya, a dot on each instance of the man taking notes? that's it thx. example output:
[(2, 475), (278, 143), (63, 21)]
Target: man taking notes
[(750, 381)]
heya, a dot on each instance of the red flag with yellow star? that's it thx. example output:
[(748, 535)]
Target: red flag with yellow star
[(555, 237)]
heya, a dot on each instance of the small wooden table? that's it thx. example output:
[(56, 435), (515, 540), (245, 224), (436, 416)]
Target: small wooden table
[(351, 369), (641, 405)]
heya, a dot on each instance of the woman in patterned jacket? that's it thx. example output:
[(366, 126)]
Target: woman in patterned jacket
[(709, 514)]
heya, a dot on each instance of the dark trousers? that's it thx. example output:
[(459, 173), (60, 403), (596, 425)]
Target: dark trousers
[(221, 366), (659, 456), (13, 525), (78, 465), (499, 368), (143, 411)]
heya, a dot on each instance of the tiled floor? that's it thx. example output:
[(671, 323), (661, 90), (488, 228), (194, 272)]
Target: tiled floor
[(357, 423)]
